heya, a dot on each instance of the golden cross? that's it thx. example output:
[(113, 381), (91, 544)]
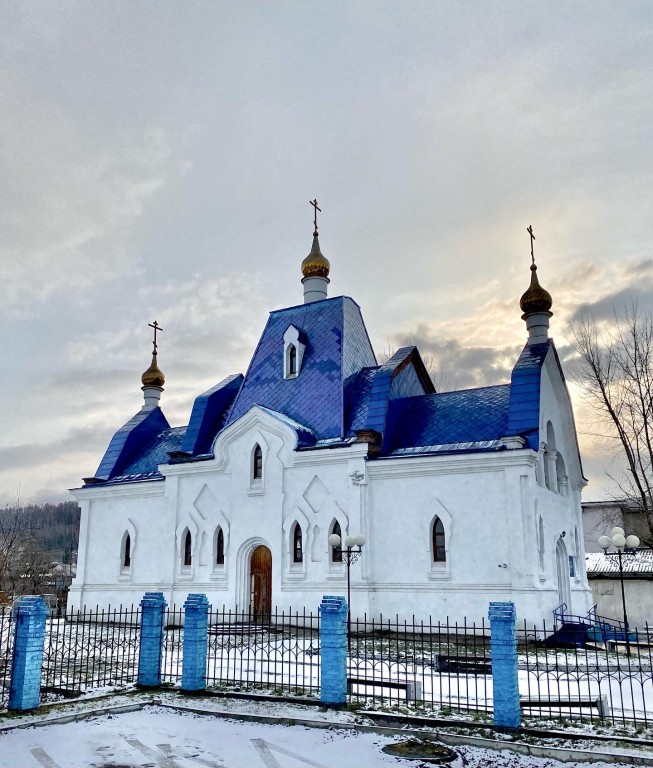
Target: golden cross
[(156, 327), (529, 229), (314, 204)]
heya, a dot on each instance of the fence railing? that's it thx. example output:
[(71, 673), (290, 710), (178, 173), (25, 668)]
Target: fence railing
[(421, 663), (6, 653), (601, 681), (279, 653), (90, 649), (434, 667)]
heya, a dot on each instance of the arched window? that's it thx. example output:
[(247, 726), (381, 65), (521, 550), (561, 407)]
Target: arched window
[(188, 546), (297, 544), (292, 360), (336, 552), (127, 553), (219, 548), (257, 463), (438, 542)]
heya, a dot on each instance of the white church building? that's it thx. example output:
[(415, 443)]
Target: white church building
[(463, 497)]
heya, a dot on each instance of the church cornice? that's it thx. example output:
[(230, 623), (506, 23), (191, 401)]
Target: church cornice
[(418, 466), (132, 490)]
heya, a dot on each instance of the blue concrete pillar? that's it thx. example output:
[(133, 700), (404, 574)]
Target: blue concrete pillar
[(153, 611), (29, 635), (333, 650), (503, 649), (196, 635)]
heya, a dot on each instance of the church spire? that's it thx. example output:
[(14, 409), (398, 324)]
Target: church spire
[(536, 304), (153, 378), (315, 267)]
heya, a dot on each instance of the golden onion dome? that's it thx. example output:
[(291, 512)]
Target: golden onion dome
[(315, 264), (153, 377), (536, 299)]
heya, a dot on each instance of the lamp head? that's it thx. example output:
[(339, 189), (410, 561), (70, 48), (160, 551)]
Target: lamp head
[(334, 540), (632, 541), (604, 542), (619, 540)]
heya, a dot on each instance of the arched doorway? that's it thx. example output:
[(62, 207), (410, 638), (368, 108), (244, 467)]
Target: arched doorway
[(562, 569), (260, 583)]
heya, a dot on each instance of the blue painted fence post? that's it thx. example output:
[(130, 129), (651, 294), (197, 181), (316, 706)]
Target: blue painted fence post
[(333, 650), (29, 635), (196, 631), (153, 607), (503, 650)]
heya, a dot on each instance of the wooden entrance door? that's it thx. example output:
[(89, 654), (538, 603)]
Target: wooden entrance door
[(261, 583)]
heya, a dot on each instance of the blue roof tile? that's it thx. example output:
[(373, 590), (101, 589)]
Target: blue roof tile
[(368, 396), (209, 415), (525, 383), (337, 346), (129, 442), (447, 418), (154, 452)]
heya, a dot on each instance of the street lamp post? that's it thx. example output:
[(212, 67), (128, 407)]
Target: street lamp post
[(624, 545), (349, 555)]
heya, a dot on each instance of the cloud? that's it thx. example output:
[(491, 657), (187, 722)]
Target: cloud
[(74, 191)]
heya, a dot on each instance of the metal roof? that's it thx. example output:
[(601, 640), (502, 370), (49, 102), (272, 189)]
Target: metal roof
[(467, 420), (599, 563)]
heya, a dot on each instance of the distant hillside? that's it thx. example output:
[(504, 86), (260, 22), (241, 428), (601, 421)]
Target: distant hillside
[(53, 527)]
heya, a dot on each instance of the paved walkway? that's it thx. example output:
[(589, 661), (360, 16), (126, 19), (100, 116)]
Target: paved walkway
[(159, 738)]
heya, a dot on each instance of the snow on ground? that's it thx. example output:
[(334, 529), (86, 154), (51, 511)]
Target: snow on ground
[(160, 738)]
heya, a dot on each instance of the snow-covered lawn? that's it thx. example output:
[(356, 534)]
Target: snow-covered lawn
[(160, 738)]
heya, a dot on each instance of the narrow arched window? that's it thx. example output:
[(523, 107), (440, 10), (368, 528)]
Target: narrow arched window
[(127, 554), (257, 465), (292, 360), (336, 552), (438, 543), (297, 544), (219, 548), (188, 546)]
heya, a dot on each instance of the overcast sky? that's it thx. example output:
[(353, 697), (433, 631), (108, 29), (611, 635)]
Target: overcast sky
[(157, 159)]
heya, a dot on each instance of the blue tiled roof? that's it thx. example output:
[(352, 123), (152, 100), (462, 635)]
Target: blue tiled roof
[(209, 414), (470, 416), (155, 451), (525, 382), (305, 436), (369, 394), (337, 346), (129, 442)]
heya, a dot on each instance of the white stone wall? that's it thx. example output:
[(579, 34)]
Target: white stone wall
[(606, 593)]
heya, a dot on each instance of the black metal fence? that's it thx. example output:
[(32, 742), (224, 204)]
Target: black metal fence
[(608, 680), (90, 649), (436, 668), (6, 653), (421, 664), (279, 654), (173, 646)]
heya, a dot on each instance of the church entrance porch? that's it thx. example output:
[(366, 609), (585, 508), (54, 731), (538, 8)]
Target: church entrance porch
[(260, 583)]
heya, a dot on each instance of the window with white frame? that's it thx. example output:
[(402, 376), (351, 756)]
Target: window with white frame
[(257, 463), (126, 553), (336, 552), (297, 544), (219, 547), (438, 543), (187, 558)]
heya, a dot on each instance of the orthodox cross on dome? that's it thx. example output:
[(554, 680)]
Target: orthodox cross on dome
[(315, 206), (529, 229), (156, 327)]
